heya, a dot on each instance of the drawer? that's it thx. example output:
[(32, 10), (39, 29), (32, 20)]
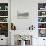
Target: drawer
[(3, 41)]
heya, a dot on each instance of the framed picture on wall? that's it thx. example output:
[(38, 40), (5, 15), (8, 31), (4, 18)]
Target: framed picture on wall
[(24, 15)]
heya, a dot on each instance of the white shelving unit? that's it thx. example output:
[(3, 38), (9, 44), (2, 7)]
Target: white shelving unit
[(4, 23), (42, 18), (4, 16)]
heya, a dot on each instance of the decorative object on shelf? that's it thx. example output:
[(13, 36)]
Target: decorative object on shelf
[(3, 6), (42, 32), (4, 26), (13, 27), (43, 13), (6, 7), (3, 19), (41, 6), (45, 7), (41, 19), (4, 29), (31, 27), (0, 7), (41, 25), (3, 13)]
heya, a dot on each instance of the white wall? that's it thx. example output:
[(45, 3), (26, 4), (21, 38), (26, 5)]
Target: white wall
[(23, 6), (30, 6)]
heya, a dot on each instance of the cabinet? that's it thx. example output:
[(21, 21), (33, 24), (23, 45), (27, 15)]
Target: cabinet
[(3, 40), (42, 19)]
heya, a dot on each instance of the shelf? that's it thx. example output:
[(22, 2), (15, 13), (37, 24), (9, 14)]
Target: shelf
[(41, 10), (3, 16), (41, 22), (41, 28), (3, 10), (42, 16), (3, 22)]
